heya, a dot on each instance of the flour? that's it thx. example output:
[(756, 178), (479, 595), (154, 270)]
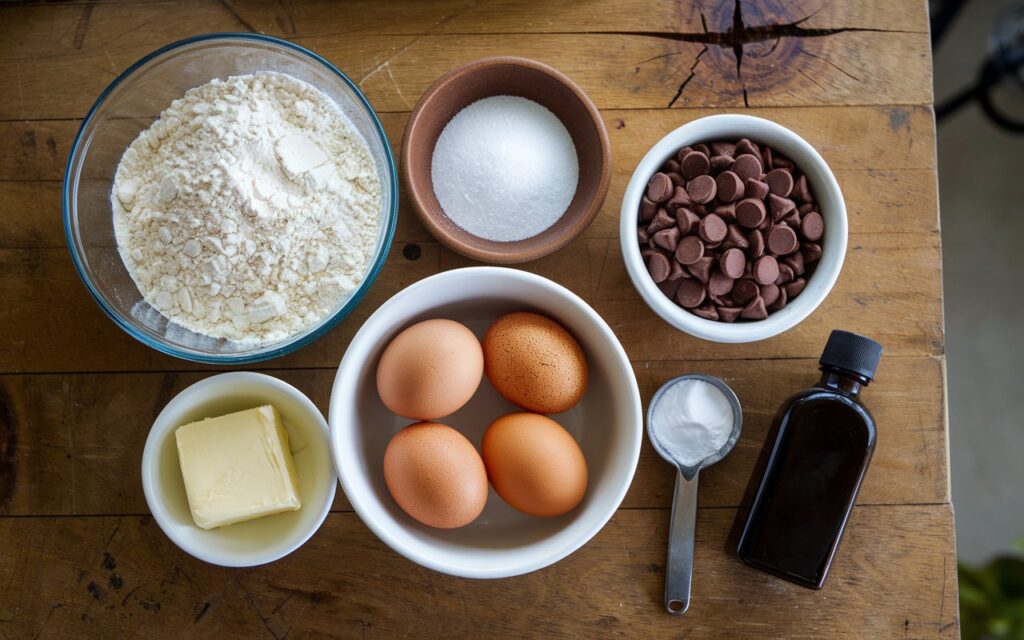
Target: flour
[(249, 210)]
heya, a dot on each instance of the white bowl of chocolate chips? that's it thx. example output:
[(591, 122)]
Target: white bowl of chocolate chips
[(733, 228)]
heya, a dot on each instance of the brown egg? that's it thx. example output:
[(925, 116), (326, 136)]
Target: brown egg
[(534, 464), (435, 475), (430, 370), (534, 362)]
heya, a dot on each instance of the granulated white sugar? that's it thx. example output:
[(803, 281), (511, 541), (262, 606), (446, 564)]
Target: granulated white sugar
[(505, 169)]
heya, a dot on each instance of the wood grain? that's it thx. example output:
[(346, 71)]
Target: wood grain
[(61, 58), (121, 577), (884, 158), (77, 395), (57, 327), (80, 435)]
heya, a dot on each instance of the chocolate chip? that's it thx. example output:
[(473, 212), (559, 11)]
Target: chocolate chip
[(745, 146), (689, 250), (707, 312), (750, 212), (756, 239), (781, 240), (723, 149), (687, 221), (781, 302), (647, 209), (712, 228), (795, 261), (779, 206), (728, 314), (702, 269), (785, 274), (695, 164), (719, 284), (745, 290), (730, 187), (719, 163), (780, 182), (747, 166), (658, 267), (782, 162), (801, 191), (732, 263), (754, 188), (726, 212), (701, 189), (677, 271), (812, 226), (811, 251), (679, 199), (794, 288), (661, 221), (690, 294), (736, 222), (659, 188), (670, 287), (754, 310), (667, 239), (766, 269), (735, 238)]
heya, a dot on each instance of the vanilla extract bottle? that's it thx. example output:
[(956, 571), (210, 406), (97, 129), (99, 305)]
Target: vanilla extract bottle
[(825, 438)]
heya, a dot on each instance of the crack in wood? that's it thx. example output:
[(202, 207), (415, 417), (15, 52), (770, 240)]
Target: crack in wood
[(8, 448), (237, 16), (693, 72), (739, 34), (82, 26)]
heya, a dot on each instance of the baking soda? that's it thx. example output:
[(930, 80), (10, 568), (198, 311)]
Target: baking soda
[(505, 169), (700, 418)]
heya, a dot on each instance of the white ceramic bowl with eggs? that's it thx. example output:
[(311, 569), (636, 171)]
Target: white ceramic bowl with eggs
[(607, 423), (253, 542), (823, 185)]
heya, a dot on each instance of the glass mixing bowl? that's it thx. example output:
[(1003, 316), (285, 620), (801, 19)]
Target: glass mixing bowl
[(127, 107)]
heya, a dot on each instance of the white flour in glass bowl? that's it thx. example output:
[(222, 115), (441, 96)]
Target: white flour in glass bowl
[(249, 210)]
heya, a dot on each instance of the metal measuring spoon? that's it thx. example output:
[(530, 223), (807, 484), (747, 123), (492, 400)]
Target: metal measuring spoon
[(679, 569)]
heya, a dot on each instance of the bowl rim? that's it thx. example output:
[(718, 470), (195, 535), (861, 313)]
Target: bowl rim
[(711, 330), (501, 255), (257, 355), (159, 431), (348, 368)]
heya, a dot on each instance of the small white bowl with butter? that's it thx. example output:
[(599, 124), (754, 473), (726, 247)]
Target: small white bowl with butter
[(243, 446)]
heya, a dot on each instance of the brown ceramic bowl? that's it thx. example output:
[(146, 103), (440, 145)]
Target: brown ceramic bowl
[(525, 78)]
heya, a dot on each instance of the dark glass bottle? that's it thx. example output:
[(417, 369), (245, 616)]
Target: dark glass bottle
[(821, 453)]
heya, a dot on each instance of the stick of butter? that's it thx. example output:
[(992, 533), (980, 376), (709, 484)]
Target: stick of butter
[(237, 467)]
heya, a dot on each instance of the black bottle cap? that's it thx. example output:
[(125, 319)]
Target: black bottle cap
[(852, 352)]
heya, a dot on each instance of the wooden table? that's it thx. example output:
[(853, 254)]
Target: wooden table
[(80, 556)]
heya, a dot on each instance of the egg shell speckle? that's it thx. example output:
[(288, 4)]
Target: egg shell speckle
[(435, 475), (534, 464), (534, 362), (430, 370)]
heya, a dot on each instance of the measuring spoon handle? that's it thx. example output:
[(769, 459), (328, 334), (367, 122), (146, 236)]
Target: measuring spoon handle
[(680, 546)]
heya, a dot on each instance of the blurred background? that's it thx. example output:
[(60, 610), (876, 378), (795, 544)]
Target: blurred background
[(979, 96)]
